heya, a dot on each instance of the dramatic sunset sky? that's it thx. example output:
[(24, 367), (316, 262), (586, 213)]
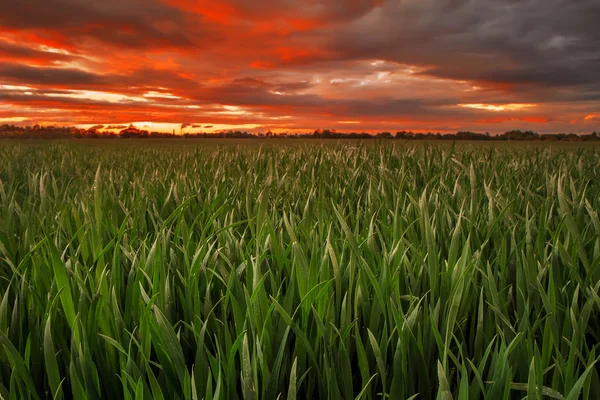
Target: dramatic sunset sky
[(351, 65)]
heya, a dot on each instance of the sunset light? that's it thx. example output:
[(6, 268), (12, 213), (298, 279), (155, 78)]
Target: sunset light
[(502, 107), (238, 64)]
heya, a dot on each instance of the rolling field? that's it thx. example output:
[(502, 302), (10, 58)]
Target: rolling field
[(228, 270)]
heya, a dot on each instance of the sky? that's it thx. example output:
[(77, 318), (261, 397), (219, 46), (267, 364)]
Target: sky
[(299, 65)]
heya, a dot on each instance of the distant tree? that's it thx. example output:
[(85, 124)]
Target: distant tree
[(467, 135), (520, 135), (403, 135), (133, 132)]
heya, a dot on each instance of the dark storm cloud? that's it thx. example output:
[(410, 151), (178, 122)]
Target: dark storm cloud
[(543, 42), (39, 98), (143, 79), (14, 51), (555, 75), (293, 87), (19, 73), (387, 107), (131, 23)]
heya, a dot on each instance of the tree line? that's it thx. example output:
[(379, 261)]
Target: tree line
[(131, 132)]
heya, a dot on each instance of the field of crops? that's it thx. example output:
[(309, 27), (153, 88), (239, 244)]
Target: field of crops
[(311, 271)]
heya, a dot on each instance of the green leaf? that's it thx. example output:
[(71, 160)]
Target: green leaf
[(292, 391), (444, 393), (51, 363)]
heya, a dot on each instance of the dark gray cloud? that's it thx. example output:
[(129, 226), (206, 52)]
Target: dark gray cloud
[(139, 80), (292, 87), (540, 42), (19, 73), (130, 23), (13, 50)]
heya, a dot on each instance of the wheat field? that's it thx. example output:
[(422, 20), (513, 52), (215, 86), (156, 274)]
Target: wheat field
[(312, 271)]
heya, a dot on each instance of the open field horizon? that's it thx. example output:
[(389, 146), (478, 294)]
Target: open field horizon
[(298, 141)]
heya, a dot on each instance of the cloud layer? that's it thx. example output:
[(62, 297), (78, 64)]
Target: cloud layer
[(438, 65)]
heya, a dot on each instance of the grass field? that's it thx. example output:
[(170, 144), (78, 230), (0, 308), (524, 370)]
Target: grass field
[(226, 270)]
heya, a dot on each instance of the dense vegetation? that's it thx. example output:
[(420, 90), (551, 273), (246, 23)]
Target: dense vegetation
[(172, 271), (132, 132)]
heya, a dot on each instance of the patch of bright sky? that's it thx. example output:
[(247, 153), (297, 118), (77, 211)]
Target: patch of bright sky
[(170, 127), (15, 88), (54, 50), (231, 110), (499, 107), (97, 96), (13, 119), (160, 95), (559, 42)]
